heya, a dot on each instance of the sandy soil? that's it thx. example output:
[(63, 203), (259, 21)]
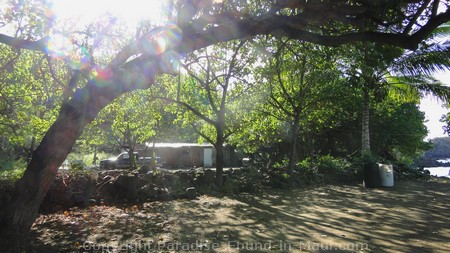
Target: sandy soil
[(413, 216)]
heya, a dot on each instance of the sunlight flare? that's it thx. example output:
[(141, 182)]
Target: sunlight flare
[(130, 11), (61, 47)]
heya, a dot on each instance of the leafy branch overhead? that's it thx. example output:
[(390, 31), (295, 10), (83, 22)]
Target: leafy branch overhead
[(331, 23)]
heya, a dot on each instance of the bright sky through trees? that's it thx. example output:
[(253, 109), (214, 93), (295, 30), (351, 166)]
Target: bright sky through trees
[(434, 109), (130, 11), (75, 14)]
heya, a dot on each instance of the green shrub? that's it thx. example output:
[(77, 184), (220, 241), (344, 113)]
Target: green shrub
[(331, 165), (77, 167), (306, 172), (6, 164), (88, 158), (8, 178), (13, 173), (324, 169)]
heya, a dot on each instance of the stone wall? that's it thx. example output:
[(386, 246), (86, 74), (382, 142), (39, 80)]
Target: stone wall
[(121, 186)]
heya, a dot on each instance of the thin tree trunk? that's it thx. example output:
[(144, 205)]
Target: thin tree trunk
[(95, 158), (131, 144), (293, 150), (30, 151), (220, 162)]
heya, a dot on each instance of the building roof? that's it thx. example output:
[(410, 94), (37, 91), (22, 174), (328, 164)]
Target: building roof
[(176, 145)]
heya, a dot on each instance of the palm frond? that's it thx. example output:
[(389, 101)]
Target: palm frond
[(403, 89), (442, 31), (424, 61), (410, 86), (436, 89)]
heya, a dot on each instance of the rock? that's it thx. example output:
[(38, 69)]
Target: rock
[(126, 187), (58, 195), (191, 193), (208, 177), (82, 189), (246, 162), (148, 192), (171, 180), (144, 169), (162, 194), (92, 202), (228, 185), (106, 192), (128, 182)]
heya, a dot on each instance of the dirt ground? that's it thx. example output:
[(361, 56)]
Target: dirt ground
[(413, 216)]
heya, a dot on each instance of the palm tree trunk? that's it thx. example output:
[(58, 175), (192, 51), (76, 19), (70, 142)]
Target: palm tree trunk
[(370, 168), (365, 148)]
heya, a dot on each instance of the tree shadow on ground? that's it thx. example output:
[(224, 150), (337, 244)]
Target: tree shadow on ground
[(410, 217)]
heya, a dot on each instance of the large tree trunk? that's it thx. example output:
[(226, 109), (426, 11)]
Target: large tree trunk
[(18, 216), (29, 191)]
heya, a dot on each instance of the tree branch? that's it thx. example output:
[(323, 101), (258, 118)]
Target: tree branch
[(201, 134), (294, 27), (282, 26), (229, 73), (416, 16), (286, 94), (190, 108), (39, 45)]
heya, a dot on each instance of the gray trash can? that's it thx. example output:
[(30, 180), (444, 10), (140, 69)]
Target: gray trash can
[(386, 175)]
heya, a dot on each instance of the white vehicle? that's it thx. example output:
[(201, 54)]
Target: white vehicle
[(123, 161)]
